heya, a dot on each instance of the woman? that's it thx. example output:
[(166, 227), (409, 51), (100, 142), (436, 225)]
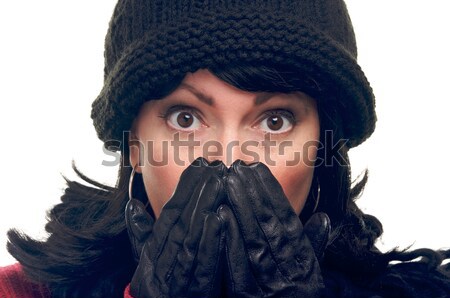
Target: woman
[(281, 74)]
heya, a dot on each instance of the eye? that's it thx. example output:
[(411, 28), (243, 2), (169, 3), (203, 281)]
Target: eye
[(183, 118), (278, 121)]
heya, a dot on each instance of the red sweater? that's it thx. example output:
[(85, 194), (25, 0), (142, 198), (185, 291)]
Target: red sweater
[(13, 283)]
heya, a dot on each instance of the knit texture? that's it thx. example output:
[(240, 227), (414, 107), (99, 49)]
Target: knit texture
[(151, 43), (13, 283)]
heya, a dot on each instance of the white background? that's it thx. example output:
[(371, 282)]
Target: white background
[(51, 69)]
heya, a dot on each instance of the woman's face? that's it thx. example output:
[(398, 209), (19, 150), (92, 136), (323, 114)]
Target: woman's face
[(207, 117)]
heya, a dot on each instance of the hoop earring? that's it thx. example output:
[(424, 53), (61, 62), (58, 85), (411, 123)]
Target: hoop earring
[(130, 183), (130, 192), (318, 197)]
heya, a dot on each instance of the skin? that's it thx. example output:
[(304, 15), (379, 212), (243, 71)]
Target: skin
[(215, 114)]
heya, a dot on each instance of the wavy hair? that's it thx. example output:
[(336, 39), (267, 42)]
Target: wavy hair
[(88, 254)]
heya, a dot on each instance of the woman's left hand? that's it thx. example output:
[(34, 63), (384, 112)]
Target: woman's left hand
[(267, 249)]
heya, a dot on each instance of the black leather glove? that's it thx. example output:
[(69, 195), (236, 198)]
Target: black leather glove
[(179, 254), (268, 253)]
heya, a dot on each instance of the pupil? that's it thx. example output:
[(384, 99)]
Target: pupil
[(185, 119), (275, 123)]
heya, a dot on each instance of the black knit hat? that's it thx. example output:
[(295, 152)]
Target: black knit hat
[(152, 42)]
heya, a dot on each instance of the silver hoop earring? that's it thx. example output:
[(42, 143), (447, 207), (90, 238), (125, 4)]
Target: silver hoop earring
[(318, 197), (130, 191), (130, 184)]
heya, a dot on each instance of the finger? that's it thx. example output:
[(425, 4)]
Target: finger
[(317, 229), (171, 212), (277, 219), (211, 193), (255, 241), (211, 196), (207, 197), (271, 235), (259, 252), (238, 276), (139, 225), (290, 247), (219, 167), (275, 193), (161, 251), (189, 179), (207, 277), (203, 198)]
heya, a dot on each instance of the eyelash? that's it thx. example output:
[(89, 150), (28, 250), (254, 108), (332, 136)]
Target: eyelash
[(270, 113), (288, 114)]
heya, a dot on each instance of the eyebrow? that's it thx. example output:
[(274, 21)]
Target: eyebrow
[(259, 99)]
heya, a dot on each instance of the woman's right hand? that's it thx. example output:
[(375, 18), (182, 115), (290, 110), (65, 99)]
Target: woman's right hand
[(179, 254)]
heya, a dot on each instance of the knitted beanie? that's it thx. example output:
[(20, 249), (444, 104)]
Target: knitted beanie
[(152, 42)]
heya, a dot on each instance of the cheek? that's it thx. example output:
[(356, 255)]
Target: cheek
[(160, 183), (294, 169), (296, 182), (163, 165)]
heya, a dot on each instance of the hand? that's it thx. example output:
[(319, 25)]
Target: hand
[(179, 254), (268, 252)]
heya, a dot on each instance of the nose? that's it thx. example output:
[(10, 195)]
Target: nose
[(231, 145)]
